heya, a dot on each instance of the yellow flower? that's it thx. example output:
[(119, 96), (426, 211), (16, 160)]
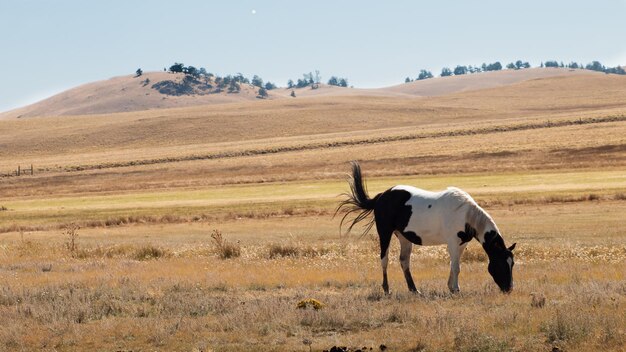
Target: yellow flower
[(310, 302)]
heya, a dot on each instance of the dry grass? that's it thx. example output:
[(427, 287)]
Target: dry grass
[(546, 158), (114, 295), (252, 302)]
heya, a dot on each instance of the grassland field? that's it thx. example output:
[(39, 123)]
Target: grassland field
[(146, 274)]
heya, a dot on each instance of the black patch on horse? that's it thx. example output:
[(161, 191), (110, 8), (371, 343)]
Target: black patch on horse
[(467, 235), (413, 237), (391, 214), (498, 254), (493, 240)]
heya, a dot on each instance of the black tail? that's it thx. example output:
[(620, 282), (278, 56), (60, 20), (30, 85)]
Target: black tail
[(357, 202)]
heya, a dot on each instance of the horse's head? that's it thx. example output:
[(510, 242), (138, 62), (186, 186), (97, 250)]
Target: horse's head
[(500, 262)]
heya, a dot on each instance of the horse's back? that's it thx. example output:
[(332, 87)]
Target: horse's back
[(435, 216)]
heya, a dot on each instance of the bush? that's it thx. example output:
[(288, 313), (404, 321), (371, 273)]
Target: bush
[(148, 252), (283, 250), (293, 250), (472, 341), (565, 327)]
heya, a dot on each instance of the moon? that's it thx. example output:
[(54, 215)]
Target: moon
[(253, 11)]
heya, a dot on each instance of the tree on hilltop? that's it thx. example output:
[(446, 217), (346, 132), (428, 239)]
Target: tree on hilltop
[(192, 71), (139, 72), (445, 72), (424, 74), (595, 66), (257, 81), (460, 70), (177, 67)]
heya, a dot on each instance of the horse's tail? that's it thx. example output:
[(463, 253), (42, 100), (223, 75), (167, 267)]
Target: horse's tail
[(357, 201)]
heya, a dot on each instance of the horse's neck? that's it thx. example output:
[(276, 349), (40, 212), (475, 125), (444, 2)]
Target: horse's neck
[(483, 224), (489, 227)]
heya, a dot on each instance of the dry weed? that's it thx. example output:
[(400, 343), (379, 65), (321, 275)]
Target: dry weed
[(71, 235), (225, 249)]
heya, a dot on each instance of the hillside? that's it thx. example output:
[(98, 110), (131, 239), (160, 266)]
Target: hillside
[(484, 80), (178, 133), (162, 90)]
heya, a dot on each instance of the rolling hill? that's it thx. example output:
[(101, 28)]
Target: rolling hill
[(162, 90), (180, 133)]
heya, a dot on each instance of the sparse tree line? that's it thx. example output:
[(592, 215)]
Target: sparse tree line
[(517, 65), (593, 66), (199, 79), (314, 80)]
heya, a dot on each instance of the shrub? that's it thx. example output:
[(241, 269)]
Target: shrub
[(566, 327), (225, 249), (148, 252), (293, 250), (472, 341), (283, 250)]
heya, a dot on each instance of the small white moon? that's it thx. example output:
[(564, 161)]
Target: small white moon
[(253, 12)]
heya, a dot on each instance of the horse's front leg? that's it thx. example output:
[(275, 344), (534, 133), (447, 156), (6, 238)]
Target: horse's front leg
[(455, 251)]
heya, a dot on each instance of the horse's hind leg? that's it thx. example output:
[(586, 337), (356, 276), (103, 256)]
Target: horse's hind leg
[(405, 260), (385, 239)]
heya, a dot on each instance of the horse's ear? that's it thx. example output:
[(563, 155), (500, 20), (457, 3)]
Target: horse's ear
[(512, 246)]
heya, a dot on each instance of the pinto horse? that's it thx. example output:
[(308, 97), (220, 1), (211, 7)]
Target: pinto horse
[(424, 218)]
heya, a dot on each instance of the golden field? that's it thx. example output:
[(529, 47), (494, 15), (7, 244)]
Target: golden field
[(545, 157)]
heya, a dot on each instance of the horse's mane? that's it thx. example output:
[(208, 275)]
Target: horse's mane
[(475, 215)]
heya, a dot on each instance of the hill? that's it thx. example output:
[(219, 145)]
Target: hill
[(181, 132), (163, 90)]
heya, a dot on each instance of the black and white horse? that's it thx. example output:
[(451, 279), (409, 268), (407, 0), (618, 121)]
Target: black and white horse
[(416, 216)]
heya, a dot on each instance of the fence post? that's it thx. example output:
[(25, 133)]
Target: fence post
[(31, 169), (18, 170)]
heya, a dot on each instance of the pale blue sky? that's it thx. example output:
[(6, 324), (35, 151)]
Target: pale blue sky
[(47, 46)]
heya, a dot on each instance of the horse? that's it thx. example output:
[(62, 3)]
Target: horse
[(425, 218)]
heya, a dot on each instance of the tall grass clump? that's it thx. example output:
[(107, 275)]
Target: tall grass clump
[(565, 327), (474, 341), (225, 249), (278, 250), (283, 250), (148, 252)]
